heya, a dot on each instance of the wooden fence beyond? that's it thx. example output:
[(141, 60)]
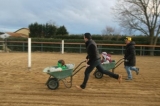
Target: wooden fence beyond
[(140, 49)]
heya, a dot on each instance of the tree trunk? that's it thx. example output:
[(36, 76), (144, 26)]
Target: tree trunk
[(152, 41), (151, 49)]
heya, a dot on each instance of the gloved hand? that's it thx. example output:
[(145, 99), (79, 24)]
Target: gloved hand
[(125, 60), (86, 60), (87, 65)]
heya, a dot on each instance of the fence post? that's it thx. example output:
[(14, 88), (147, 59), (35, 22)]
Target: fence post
[(29, 53), (122, 50), (143, 51), (62, 46), (5, 44), (23, 46), (80, 49), (41, 47)]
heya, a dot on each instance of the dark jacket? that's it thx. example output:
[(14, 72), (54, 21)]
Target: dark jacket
[(130, 54), (92, 52)]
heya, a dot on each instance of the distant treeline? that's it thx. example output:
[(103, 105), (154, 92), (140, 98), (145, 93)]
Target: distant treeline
[(105, 39), (47, 30)]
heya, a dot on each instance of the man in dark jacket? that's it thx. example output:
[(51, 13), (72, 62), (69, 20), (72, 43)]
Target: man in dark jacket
[(130, 58), (93, 60)]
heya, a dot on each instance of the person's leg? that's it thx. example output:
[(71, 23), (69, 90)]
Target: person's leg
[(128, 72), (102, 70), (133, 68), (111, 74), (86, 76)]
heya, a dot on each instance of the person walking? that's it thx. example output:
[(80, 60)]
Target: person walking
[(93, 60), (130, 58)]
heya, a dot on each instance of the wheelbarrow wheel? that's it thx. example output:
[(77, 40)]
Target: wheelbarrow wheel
[(98, 74), (53, 83)]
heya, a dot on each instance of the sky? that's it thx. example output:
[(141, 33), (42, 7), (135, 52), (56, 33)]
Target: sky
[(78, 16)]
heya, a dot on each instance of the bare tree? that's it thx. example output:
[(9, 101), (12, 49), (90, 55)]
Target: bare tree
[(108, 30), (140, 15), (111, 31)]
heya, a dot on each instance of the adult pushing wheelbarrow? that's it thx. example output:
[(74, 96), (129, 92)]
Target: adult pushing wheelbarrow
[(93, 60)]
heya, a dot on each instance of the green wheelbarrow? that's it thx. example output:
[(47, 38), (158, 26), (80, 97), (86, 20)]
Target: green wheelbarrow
[(54, 77), (110, 66)]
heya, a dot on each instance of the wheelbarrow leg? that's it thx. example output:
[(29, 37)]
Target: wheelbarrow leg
[(113, 70), (48, 80)]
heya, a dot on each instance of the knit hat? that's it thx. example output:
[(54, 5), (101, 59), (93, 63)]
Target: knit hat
[(104, 54), (87, 35), (128, 38)]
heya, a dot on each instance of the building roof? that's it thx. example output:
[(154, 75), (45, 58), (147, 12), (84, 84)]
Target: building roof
[(23, 32), (12, 34)]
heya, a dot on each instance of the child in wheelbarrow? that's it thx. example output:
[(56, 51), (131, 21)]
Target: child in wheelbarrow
[(105, 58), (60, 66)]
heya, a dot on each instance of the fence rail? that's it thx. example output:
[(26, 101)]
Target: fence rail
[(80, 47)]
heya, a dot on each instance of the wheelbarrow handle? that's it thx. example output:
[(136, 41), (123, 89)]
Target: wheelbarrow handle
[(119, 63), (120, 60), (79, 65)]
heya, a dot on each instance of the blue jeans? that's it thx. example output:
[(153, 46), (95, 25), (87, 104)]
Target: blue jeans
[(98, 65), (129, 69)]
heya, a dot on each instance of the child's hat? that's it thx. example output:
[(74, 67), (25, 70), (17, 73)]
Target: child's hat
[(104, 54), (128, 38)]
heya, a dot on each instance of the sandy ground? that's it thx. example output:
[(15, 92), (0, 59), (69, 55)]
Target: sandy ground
[(22, 87)]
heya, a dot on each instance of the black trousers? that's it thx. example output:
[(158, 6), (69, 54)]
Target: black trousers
[(100, 68)]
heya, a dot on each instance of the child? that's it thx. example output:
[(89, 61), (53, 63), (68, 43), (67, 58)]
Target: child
[(105, 58), (60, 66)]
